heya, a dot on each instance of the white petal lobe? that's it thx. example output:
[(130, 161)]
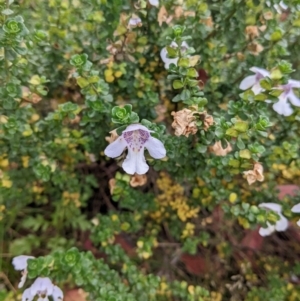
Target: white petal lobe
[(116, 148), (247, 82), (282, 107), (135, 162), (57, 294), (282, 224), (155, 148), (296, 208), (294, 99), (20, 262), (27, 296), (266, 231)]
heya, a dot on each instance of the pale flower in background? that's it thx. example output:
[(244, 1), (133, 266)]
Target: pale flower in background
[(136, 138), (154, 2), (164, 54), (280, 226), (218, 150), (138, 180), (283, 107), (135, 21), (296, 209), (20, 264), (281, 7), (252, 81), (43, 287)]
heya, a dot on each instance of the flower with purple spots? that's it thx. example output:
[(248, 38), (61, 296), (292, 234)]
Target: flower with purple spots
[(252, 81), (283, 106), (136, 138)]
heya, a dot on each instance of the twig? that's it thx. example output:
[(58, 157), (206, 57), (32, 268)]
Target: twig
[(7, 282)]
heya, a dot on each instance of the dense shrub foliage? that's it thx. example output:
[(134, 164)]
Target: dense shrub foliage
[(149, 150)]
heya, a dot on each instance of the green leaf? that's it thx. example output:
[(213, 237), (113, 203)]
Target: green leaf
[(183, 62), (176, 98), (172, 52), (232, 132), (82, 82), (71, 257), (245, 154), (241, 126), (79, 60), (177, 84), (201, 148), (134, 117), (266, 83), (7, 12), (192, 72), (185, 94), (240, 144)]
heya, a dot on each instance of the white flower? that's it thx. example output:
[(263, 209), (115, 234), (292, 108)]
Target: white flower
[(296, 209), (154, 2), (164, 54), (280, 226), (280, 7), (135, 21), (252, 81), (43, 287), (283, 107), (20, 264), (136, 137)]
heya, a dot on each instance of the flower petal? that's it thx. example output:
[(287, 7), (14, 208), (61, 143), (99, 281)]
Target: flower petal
[(135, 162), (261, 71), (166, 60), (23, 279), (42, 284), (20, 262), (282, 107), (247, 82), (298, 222), (294, 83), (57, 293), (155, 148), (256, 88), (266, 231), (271, 206), (136, 126), (116, 148), (296, 208), (27, 295), (294, 99), (185, 45), (282, 224), (154, 2)]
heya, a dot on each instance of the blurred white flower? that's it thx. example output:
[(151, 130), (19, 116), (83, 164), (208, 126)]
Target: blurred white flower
[(164, 54), (280, 226), (43, 287), (134, 21), (20, 264), (136, 138), (283, 107), (252, 81), (154, 2), (281, 7), (296, 209)]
